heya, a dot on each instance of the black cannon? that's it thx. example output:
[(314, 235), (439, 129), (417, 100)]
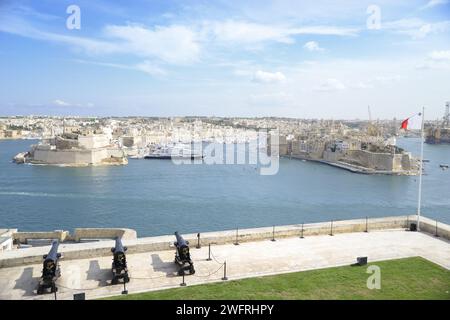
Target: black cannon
[(119, 264), (182, 256), (50, 271)]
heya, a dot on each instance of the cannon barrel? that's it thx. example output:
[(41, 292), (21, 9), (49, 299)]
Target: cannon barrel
[(180, 240), (53, 253), (119, 246)]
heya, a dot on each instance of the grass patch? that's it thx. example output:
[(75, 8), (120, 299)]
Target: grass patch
[(410, 278)]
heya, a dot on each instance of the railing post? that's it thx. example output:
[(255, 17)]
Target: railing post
[(331, 231), (224, 271), (236, 243), (367, 225), (125, 291), (198, 241), (183, 284), (301, 237), (273, 234), (209, 252)]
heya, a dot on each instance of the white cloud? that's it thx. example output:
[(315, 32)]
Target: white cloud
[(433, 3), (18, 26), (268, 77), (61, 103), (150, 68), (312, 46), (331, 85), (245, 32), (145, 66), (326, 30), (172, 44), (440, 55), (232, 31), (416, 28)]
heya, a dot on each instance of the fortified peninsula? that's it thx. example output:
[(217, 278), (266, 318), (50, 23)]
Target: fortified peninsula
[(72, 149)]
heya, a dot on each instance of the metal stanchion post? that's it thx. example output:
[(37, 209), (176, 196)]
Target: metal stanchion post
[(183, 284), (125, 291), (225, 271), (273, 234), (301, 237), (331, 233), (236, 243), (209, 252), (367, 225), (198, 241)]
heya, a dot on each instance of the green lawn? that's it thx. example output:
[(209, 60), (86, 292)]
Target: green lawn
[(411, 278)]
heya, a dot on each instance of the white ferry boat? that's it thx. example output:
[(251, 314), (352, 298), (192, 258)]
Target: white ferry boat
[(177, 151)]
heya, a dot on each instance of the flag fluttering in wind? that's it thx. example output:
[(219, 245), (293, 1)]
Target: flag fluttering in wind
[(405, 122), (404, 126)]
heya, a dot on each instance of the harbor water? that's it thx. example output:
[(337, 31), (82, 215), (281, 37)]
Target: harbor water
[(157, 197)]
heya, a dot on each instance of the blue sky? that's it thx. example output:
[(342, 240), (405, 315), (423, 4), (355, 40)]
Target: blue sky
[(307, 59)]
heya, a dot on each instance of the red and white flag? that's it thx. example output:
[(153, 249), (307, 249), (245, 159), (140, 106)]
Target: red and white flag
[(405, 122)]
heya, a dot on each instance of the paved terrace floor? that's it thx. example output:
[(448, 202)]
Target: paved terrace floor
[(156, 270)]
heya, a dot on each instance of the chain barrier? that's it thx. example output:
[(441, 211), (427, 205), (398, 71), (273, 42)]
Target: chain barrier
[(77, 289), (215, 259), (214, 272)]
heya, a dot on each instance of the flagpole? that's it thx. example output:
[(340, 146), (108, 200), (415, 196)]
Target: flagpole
[(420, 170)]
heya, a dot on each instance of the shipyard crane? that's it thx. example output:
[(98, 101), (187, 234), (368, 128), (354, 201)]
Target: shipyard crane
[(446, 122)]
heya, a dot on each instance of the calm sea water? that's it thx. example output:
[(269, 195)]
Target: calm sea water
[(156, 197)]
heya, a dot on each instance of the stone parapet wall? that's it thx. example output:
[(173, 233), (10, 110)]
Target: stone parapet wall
[(22, 237), (149, 244), (103, 233)]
